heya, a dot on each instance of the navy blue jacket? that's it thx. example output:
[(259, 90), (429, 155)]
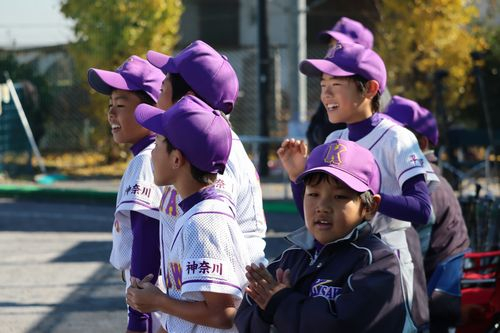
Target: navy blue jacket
[(351, 285)]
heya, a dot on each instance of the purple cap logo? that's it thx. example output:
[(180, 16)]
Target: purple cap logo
[(331, 51), (333, 155), (347, 161)]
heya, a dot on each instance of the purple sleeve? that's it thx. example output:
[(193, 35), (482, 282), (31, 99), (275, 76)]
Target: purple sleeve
[(145, 259), (413, 205), (298, 190)]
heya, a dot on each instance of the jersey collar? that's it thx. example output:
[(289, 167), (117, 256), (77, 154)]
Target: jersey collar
[(204, 194), (141, 144)]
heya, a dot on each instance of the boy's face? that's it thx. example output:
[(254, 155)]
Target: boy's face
[(163, 162), (124, 127), (165, 98), (331, 209), (342, 100)]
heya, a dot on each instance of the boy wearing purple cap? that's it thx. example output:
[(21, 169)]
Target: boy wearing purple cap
[(448, 237), (345, 30), (136, 248), (201, 71), (353, 78), (338, 276), (207, 255)]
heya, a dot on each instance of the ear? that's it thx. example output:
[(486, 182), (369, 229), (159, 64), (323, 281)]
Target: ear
[(178, 159), (371, 210), (372, 87)]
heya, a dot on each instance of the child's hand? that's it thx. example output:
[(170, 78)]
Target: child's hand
[(293, 155), (142, 294), (262, 286)]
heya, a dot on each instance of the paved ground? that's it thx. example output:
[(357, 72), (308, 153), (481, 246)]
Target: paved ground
[(54, 274)]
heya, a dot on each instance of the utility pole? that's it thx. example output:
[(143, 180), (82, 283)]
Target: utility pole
[(263, 79), (297, 52)]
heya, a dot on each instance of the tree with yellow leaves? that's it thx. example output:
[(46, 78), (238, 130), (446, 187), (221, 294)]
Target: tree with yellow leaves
[(418, 37), (109, 31)]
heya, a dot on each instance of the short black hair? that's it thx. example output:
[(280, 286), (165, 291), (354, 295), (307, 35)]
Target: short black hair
[(315, 178), (179, 86), (144, 97), (203, 177), (361, 85)]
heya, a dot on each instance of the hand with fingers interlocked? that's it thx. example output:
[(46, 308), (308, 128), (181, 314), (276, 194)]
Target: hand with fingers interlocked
[(262, 285)]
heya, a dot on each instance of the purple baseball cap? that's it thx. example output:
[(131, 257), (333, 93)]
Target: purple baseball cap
[(348, 30), (347, 161), (209, 73), (348, 59), (410, 114), (134, 74), (195, 128)]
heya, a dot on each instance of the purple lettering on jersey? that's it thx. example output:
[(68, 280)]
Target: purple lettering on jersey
[(171, 208), (219, 183), (146, 191), (135, 189), (217, 268), (204, 267), (191, 267), (176, 270), (320, 288), (169, 282), (412, 159), (164, 197)]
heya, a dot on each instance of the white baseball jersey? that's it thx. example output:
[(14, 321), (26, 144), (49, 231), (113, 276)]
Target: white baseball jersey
[(207, 254), (139, 193), (399, 158), (240, 185)]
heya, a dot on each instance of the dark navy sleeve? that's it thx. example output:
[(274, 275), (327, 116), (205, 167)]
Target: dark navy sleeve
[(249, 317), (145, 259), (298, 190), (413, 205), (370, 301)]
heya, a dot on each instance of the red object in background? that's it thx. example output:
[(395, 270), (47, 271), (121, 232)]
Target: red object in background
[(480, 309)]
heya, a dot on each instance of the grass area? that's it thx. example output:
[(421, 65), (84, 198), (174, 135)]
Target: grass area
[(84, 164), (71, 164)]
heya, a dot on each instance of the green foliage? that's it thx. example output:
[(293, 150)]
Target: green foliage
[(109, 31), (416, 38)]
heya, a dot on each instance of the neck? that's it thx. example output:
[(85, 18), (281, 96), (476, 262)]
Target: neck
[(187, 186)]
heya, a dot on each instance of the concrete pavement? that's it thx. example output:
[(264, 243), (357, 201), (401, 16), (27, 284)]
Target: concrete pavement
[(55, 242)]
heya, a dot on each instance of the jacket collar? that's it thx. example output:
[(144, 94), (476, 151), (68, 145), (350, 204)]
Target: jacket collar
[(303, 238)]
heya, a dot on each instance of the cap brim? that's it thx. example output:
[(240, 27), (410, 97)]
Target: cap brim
[(149, 117), (326, 35), (318, 67), (161, 61), (105, 82), (351, 181)]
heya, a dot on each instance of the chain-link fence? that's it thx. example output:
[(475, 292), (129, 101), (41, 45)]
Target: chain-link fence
[(66, 128)]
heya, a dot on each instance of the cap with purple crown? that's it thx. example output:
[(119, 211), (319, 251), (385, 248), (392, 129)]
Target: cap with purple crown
[(410, 114), (348, 30), (134, 74), (348, 161), (195, 128), (347, 59), (209, 73)]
